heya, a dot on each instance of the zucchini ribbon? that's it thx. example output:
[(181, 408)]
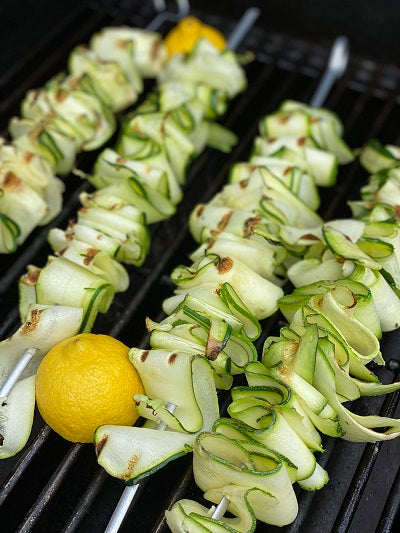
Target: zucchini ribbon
[(30, 195)]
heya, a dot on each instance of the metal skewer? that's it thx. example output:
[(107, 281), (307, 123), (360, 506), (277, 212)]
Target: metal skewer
[(221, 508), (183, 8), (129, 492), (241, 29), (16, 372), (337, 63)]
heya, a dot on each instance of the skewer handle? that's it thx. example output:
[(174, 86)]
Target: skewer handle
[(337, 64), (242, 27), (183, 8)]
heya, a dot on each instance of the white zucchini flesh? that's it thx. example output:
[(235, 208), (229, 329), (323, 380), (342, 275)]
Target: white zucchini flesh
[(195, 399), (357, 428), (62, 282), (213, 300), (255, 252), (98, 262), (205, 62), (258, 294), (59, 149), (16, 417), (279, 435), (110, 168), (387, 303), (318, 479), (320, 164), (360, 338), (44, 327), (21, 203), (149, 53), (37, 173), (187, 515), (110, 79), (120, 450)]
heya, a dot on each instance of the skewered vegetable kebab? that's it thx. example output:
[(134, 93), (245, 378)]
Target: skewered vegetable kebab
[(143, 184), (299, 385), (213, 313), (187, 25), (30, 195), (85, 276), (318, 362)]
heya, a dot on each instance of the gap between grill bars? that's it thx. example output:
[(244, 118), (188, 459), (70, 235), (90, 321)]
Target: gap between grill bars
[(56, 508)]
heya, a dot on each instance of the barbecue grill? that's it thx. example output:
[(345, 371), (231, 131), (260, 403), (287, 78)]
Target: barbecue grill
[(53, 485)]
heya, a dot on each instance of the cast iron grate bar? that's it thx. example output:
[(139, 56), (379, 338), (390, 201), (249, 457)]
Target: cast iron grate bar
[(45, 496), (389, 520), (23, 463)]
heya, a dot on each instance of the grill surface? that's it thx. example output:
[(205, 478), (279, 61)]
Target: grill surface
[(53, 485)]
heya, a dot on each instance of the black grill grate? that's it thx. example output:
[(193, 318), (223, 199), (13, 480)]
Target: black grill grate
[(53, 485)]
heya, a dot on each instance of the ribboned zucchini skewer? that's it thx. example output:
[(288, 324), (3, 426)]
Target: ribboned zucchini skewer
[(244, 24), (138, 185), (358, 428), (342, 324), (75, 112), (206, 313), (369, 253)]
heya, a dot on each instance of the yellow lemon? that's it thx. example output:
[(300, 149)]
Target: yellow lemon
[(185, 35), (86, 381)]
